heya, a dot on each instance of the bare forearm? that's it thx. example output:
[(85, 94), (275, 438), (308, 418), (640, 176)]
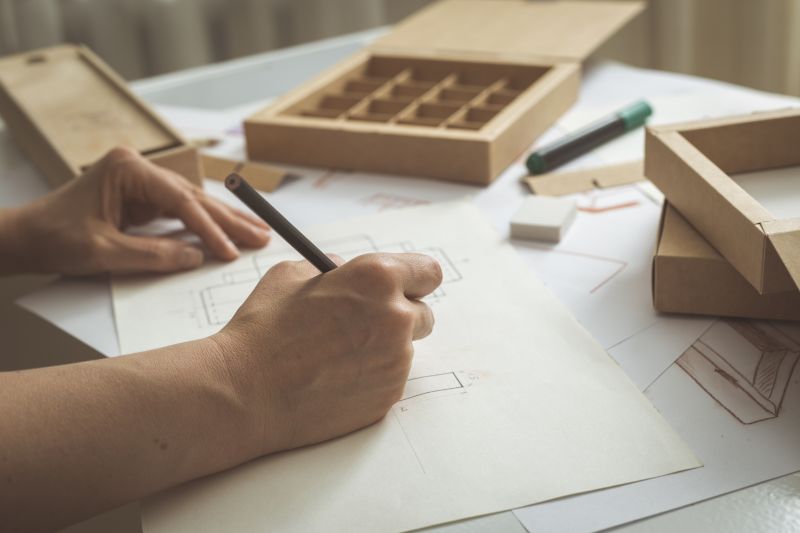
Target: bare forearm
[(13, 259), (80, 439)]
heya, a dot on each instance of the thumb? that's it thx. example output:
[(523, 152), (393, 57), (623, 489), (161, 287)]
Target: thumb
[(151, 254)]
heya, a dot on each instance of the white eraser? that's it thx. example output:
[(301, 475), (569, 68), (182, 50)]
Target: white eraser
[(543, 218)]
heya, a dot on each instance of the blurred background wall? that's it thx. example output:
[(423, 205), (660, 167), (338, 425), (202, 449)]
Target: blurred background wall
[(749, 42)]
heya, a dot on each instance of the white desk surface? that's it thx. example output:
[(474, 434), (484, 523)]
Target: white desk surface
[(772, 506)]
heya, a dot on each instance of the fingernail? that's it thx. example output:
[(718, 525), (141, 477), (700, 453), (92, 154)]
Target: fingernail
[(261, 233), (232, 249), (191, 257)]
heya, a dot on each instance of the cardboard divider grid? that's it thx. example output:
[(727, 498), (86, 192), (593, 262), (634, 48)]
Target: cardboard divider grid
[(419, 92)]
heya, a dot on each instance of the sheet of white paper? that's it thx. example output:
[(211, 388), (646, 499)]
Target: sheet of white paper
[(778, 190), (509, 401), (81, 307), (735, 454)]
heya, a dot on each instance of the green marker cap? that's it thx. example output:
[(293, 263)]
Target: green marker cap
[(635, 115), (535, 163)]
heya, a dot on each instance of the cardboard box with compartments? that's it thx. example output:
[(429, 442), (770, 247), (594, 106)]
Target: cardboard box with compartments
[(456, 92)]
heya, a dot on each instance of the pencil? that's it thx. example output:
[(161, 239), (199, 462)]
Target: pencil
[(252, 199)]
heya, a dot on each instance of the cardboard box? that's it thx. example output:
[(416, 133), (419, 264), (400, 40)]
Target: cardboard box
[(262, 177), (560, 183), (66, 108), (693, 165), (690, 276), (455, 92)]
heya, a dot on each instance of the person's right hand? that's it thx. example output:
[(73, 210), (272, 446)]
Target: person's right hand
[(325, 355)]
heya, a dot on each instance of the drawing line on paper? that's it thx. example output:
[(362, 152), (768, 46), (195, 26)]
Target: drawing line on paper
[(594, 210), (218, 302), (622, 265), (745, 366), (323, 181), (422, 385), (408, 440), (391, 201)]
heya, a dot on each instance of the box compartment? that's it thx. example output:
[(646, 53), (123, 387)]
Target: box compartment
[(693, 165), (432, 103)]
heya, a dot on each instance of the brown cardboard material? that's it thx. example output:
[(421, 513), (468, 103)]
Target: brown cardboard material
[(561, 183), (692, 164), (455, 92), (690, 276), (66, 109), (262, 177)]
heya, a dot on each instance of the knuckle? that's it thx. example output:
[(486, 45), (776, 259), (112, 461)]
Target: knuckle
[(377, 271), (400, 316), (120, 161), (185, 198), (281, 269), (121, 153)]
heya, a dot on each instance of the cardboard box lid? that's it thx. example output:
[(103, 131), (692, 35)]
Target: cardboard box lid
[(693, 163), (80, 105), (565, 30)]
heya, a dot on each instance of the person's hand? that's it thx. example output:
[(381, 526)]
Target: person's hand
[(78, 228), (326, 355)]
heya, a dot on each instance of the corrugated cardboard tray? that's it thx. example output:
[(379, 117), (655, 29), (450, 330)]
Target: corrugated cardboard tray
[(455, 92), (691, 277), (693, 165)]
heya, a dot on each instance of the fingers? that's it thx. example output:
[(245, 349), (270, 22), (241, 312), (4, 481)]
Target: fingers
[(420, 274), (415, 275), (423, 320), (197, 220), (216, 224), (129, 253), (244, 231)]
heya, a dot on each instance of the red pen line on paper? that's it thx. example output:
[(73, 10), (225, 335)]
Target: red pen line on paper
[(623, 205), (323, 180)]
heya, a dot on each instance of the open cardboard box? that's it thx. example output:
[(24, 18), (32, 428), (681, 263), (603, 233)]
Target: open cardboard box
[(690, 276), (455, 92), (697, 165), (66, 108)]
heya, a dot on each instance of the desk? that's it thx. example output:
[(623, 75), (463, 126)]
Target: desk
[(243, 84)]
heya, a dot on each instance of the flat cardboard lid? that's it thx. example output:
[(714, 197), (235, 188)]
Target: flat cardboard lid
[(566, 30), (80, 105)]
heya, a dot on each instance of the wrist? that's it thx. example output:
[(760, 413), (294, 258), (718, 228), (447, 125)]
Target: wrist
[(266, 428), (234, 385)]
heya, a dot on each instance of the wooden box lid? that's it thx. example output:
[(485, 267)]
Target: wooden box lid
[(560, 31), (81, 106)]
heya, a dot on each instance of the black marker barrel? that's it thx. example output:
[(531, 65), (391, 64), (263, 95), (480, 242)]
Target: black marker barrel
[(578, 143)]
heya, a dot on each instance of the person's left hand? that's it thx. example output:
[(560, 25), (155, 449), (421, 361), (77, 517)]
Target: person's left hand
[(78, 229)]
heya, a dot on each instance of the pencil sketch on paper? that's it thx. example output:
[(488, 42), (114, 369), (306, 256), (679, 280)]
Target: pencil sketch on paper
[(745, 365), (218, 302), (423, 385)]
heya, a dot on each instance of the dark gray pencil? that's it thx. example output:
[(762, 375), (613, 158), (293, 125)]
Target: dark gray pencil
[(250, 197)]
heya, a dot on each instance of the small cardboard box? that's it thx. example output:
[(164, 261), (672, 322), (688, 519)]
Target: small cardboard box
[(66, 109), (693, 165), (690, 276), (455, 92)]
